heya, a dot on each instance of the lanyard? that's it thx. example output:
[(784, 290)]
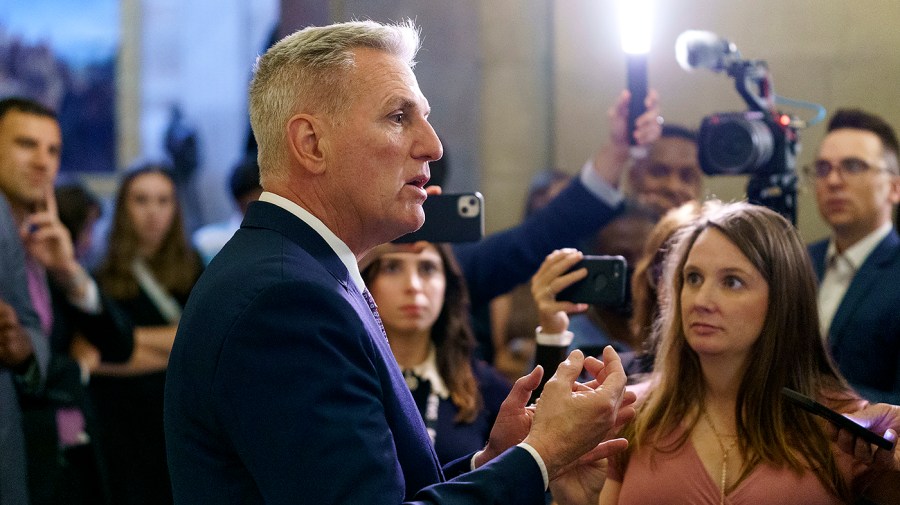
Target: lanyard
[(432, 401)]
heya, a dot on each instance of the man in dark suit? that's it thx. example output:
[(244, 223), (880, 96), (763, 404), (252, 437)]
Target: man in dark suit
[(857, 185), (24, 355), (281, 385), (63, 464)]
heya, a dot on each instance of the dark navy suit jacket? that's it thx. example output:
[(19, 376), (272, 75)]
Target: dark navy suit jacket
[(865, 333), (503, 260), (282, 389)]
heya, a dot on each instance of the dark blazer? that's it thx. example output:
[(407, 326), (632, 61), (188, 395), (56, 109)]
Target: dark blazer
[(865, 333), (282, 388), (505, 259), (53, 479), (14, 291), (455, 439)]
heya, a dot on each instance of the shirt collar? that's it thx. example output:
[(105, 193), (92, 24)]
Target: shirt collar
[(427, 370), (856, 254), (337, 245)]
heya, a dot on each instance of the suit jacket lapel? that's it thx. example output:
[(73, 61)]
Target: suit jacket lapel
[(269, 216), (272, 217), (868, 273)]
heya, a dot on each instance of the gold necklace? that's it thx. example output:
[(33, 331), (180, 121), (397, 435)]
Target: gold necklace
[(725, 451)]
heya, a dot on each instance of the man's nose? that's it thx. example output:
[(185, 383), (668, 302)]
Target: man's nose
[(429, 145)]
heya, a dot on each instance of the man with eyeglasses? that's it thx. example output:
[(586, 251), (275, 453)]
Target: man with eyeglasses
[(857, 186)]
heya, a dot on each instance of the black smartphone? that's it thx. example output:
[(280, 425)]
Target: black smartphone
[(808, 404), (455, 217), (603, 285)]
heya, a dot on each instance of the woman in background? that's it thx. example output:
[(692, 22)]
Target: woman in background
[(149, 271), (645, 284), (423, 304)]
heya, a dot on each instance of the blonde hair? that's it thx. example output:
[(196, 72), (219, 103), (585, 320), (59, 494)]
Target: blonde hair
[(308, 71)]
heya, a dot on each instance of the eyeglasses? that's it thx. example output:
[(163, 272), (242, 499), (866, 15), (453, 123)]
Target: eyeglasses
[(845, 167)]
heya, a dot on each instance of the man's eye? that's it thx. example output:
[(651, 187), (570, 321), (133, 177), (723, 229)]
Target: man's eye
[(657, 170), (854, 165)]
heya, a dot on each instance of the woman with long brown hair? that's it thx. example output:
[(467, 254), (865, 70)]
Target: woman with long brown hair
[(149, 271), (738, 324)]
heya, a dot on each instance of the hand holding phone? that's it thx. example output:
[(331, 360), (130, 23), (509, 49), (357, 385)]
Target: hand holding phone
[(603, 285), (840, 421)]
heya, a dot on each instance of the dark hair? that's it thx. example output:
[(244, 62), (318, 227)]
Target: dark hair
[(245, 177), (451, 333), (678, 131), (25, 105), (75, 203), (176, 266), (858, 119)]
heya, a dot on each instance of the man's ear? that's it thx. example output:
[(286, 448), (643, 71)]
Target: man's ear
[(894, 196), (304, 137)]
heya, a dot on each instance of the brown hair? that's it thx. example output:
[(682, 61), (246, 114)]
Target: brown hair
[(451, 333), (176, 266), (648, 270), (788, 353)]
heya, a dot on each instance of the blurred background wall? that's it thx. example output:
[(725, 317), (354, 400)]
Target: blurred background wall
[(516, 86)]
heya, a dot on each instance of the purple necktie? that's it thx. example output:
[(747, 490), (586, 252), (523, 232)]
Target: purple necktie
[(70, 424), (40, 294), (374, 309)]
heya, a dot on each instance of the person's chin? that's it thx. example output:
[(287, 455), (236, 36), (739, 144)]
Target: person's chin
[(405, 225)]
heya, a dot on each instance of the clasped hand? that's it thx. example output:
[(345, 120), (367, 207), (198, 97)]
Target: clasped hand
[(571, 421)]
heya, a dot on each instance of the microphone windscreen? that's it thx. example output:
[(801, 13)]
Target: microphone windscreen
[(697, 48)]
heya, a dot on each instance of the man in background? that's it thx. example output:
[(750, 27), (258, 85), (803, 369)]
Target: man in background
[(670, 175), (63, 465), (23, 359), (857, 186)]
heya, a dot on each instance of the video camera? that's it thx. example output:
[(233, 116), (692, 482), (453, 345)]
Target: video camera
[(760, 142)]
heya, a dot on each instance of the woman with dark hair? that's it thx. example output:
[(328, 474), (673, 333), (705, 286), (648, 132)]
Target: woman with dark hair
[(149, 270), (423, 304)]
